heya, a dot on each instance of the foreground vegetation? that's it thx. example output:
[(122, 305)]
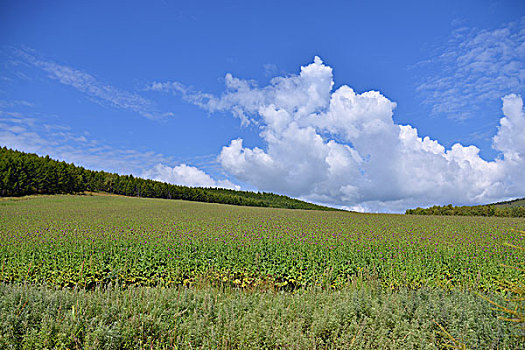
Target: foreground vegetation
[(24, 174), (210, 318)]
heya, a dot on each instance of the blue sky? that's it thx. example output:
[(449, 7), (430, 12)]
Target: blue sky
[(167, 89)]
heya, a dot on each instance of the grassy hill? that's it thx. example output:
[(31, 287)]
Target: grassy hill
[(24, 174), (519, 202), (513, 208)]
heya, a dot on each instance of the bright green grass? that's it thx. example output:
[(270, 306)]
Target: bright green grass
[(92, 240)]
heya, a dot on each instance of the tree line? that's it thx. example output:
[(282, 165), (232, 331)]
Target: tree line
[(476, 210), (27, 173)]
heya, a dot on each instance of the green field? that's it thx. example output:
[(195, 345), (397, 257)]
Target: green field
[(89, 240), (269, 256)]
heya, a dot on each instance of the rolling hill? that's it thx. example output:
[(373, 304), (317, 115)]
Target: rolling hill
[(519, 202), (26, 174)]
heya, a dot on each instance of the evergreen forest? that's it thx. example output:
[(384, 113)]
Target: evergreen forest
[(24, 174)]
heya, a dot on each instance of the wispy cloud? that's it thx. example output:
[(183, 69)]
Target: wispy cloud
[(242, 97), (29, 134), (475, 68), (100, 92), (270, 69), (15, 103)]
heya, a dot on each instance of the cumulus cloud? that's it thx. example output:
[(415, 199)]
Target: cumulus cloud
[(185, 175), (243, 97), (343, 148)]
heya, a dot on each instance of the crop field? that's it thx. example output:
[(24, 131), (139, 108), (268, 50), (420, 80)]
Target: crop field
[(87, 241), (92, 272)]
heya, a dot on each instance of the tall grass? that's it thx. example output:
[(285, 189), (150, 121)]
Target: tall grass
[(37, 317), (514, 310)]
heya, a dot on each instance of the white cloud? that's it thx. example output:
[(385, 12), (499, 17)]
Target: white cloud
[(185, 175), (15, 103), (343, 148), (88, 84), (243, 98), (475, 68)]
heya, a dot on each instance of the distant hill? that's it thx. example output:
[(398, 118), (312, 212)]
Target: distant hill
[(27, 173), (512, 208), (519, 202)]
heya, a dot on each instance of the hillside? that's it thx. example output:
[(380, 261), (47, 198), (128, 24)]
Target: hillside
[(26, 174), (513, 208), (519, 202)]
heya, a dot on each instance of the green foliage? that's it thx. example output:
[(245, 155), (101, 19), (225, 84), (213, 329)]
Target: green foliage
[(96, 240), (24, 174), (477, 210), (36, 317)]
